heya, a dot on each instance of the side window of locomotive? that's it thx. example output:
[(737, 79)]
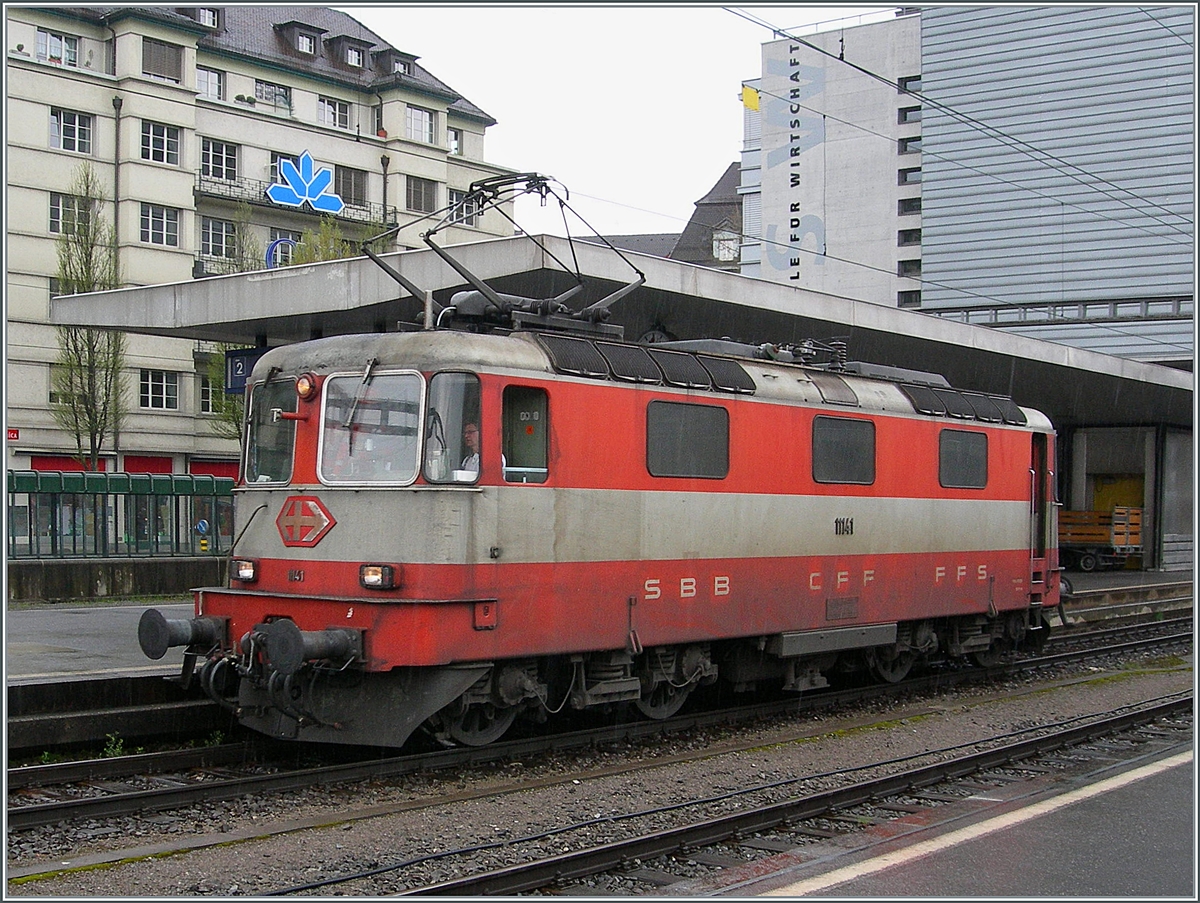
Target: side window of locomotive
[(843, 450), (687, 440), (962, 459), (270, 439), (526, 428), (452, 429), (370, 428)]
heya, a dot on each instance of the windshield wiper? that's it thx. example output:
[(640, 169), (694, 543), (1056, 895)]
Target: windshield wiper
[(362, 389)]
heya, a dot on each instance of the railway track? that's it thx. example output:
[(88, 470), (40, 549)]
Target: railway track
[(48, 794), (647, 856)]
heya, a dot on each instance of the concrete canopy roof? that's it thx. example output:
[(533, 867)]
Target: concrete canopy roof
[(1073, 387)]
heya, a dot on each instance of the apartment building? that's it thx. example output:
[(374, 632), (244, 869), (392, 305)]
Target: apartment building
[(1031, 169), (188, 116)]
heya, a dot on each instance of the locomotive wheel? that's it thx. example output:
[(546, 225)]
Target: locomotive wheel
[(480, 723), (889, 665), (987, 658), (664, 701)]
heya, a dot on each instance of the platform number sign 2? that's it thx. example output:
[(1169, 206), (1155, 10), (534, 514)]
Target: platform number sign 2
[(238, 364)]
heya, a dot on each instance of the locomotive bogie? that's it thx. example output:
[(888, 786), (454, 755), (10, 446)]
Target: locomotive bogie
[(454, 530)]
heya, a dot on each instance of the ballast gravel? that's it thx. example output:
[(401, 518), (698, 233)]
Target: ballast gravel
[(397, 828)]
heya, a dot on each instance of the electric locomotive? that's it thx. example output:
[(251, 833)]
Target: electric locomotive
[(449, 528)]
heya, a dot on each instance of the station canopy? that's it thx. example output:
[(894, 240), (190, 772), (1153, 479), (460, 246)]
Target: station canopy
[(1074, 387)]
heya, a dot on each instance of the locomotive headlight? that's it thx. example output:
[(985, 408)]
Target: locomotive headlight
[(244, 569), (378, 576), (306, 387)]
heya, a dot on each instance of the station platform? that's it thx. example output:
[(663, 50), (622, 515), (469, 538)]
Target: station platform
[(65, 643), (1125, 833)]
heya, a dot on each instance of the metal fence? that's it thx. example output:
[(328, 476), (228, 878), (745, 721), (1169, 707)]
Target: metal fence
[(58, 514)]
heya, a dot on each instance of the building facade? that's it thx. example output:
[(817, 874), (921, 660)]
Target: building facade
[(1030, 169), (187, 116)]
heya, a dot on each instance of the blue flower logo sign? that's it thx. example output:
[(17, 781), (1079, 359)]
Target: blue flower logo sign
[(303, 185)]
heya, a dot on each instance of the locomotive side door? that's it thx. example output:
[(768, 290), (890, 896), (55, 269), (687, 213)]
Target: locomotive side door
[(1041, 521), (525, 511)]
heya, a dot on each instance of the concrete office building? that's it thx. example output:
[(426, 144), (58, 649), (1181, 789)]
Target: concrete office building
[(183, 114), (1026, 168)]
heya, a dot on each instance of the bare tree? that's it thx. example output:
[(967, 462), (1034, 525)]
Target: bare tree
[(87, 398)]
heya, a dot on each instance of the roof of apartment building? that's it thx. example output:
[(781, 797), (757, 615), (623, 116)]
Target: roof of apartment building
[(266, 34), (720, 209)]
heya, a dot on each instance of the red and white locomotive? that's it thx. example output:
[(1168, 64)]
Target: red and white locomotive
[(451, 528), (632, 521)]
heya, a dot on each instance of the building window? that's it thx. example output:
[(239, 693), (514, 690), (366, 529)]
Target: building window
[(159, 389), (160, 143), (206, 395), (210, 83), (909, 114), (908, 206), (726, 246), (908, 237), (421, 195), (306, 43), (909, 145), (273, 94), (216, 237), (400, 67), (333, 112), (454, 141), (377, 118), (909, 176), (71, 131), (908, 299), (910, 268), (843, 450), (67, 213), (350, 185), (162, 61), (283, 250), (354, 57), (218, 159), (57, 48), (909, 83), (276, 156), (208, 17), (419, 124), (464, 214), (963, 459), (160, 225)]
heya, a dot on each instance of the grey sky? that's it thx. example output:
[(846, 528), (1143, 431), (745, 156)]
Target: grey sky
[(636, 109)]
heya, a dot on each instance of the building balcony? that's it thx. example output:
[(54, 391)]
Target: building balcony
[(254, 191)]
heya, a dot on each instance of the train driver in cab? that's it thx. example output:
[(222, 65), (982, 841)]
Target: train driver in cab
[(471, 445)]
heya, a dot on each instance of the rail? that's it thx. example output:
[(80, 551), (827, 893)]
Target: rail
[(61, 514)]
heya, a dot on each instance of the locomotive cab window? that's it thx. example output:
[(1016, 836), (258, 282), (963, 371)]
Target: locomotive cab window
[(370, 427), (962, 459), (687, 440), (843, 450), (526, 429), (452, 429), (270, 438)]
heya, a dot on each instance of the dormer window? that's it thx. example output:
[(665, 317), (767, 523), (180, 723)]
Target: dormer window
[(354, 57), (208, 17), (306, 43), (401, 67)]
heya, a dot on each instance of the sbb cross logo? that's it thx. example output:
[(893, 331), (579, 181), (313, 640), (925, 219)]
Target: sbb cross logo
[(303, 521)]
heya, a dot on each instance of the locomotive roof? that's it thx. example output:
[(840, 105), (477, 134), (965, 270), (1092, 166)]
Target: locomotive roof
[(871, 390)]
